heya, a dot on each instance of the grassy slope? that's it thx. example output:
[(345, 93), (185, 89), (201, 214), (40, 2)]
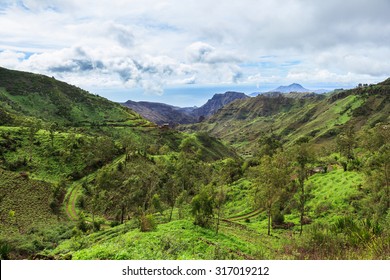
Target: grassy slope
[(333, 194), (318, 118), (88, 126), (25, 94), (242, 231), (174, 240), (29, 199)]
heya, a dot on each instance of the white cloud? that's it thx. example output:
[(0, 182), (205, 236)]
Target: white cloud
[(153, 44), (200, 52), (11, 59)]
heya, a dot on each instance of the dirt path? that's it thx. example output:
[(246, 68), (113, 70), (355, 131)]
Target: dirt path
[(75, 191)]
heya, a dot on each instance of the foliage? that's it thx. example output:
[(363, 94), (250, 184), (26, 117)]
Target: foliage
[(272, 179), (203, 206), (84, 178)]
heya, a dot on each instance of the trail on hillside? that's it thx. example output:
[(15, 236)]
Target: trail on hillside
[(75, 191)]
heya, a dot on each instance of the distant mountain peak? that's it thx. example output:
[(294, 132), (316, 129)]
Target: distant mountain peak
[(294, 87)]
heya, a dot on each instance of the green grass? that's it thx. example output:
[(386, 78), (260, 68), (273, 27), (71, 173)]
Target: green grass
[(239, 199), (174, 240), (333, 194), (50, 100), (28, 199)]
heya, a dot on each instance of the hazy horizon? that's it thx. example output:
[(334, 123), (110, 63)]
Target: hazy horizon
[(194, 95)]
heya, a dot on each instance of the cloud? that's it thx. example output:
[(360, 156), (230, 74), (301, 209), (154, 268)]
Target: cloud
[(11, 59), (153, 44), (122, 34), (200, 52)]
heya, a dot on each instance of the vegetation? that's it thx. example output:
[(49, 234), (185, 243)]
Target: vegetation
[(84, 178)]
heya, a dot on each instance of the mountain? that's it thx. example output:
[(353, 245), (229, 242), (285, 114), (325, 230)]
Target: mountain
[(291, 88), (217, 102), (319, 118), (161, 113)]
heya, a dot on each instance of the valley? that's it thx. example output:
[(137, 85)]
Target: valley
[(295, 175)]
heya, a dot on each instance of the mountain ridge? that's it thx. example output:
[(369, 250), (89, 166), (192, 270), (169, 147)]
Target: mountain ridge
[(161, 113)]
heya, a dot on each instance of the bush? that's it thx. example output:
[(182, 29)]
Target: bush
[(147, 223), (19, 163), (5, 250), (97, 224), (82, 224), (114, 223), (277, 218), (80, 202)]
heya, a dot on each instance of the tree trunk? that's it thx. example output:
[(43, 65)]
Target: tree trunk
[(269, 221), (170, 215), (122, 214), (218, 219), (387, 186), (302, 206)]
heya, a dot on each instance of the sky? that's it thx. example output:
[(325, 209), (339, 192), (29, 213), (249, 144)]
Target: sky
[(181, 52)]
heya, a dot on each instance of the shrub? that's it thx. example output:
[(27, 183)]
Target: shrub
[(114, 223), (97, 224), (147, 223), (277, 218), (5, 250), (80, 202)]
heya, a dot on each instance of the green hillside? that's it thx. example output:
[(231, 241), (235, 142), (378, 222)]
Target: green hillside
[(55, 139), (25, 94), (319, 118), (84, 178)]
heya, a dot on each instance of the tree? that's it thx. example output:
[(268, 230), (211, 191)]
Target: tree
[(171, 186), (220, 199), (224, 172), (303, 155), (377, 169), (346, 142), (96, 198), (269, 144), (52, 130), (190, 170), (202, 206), (58, 196), (130, 144), (273, 176), (32, 128)]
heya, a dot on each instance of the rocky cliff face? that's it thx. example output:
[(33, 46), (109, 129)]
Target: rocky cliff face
[(217, 102)]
